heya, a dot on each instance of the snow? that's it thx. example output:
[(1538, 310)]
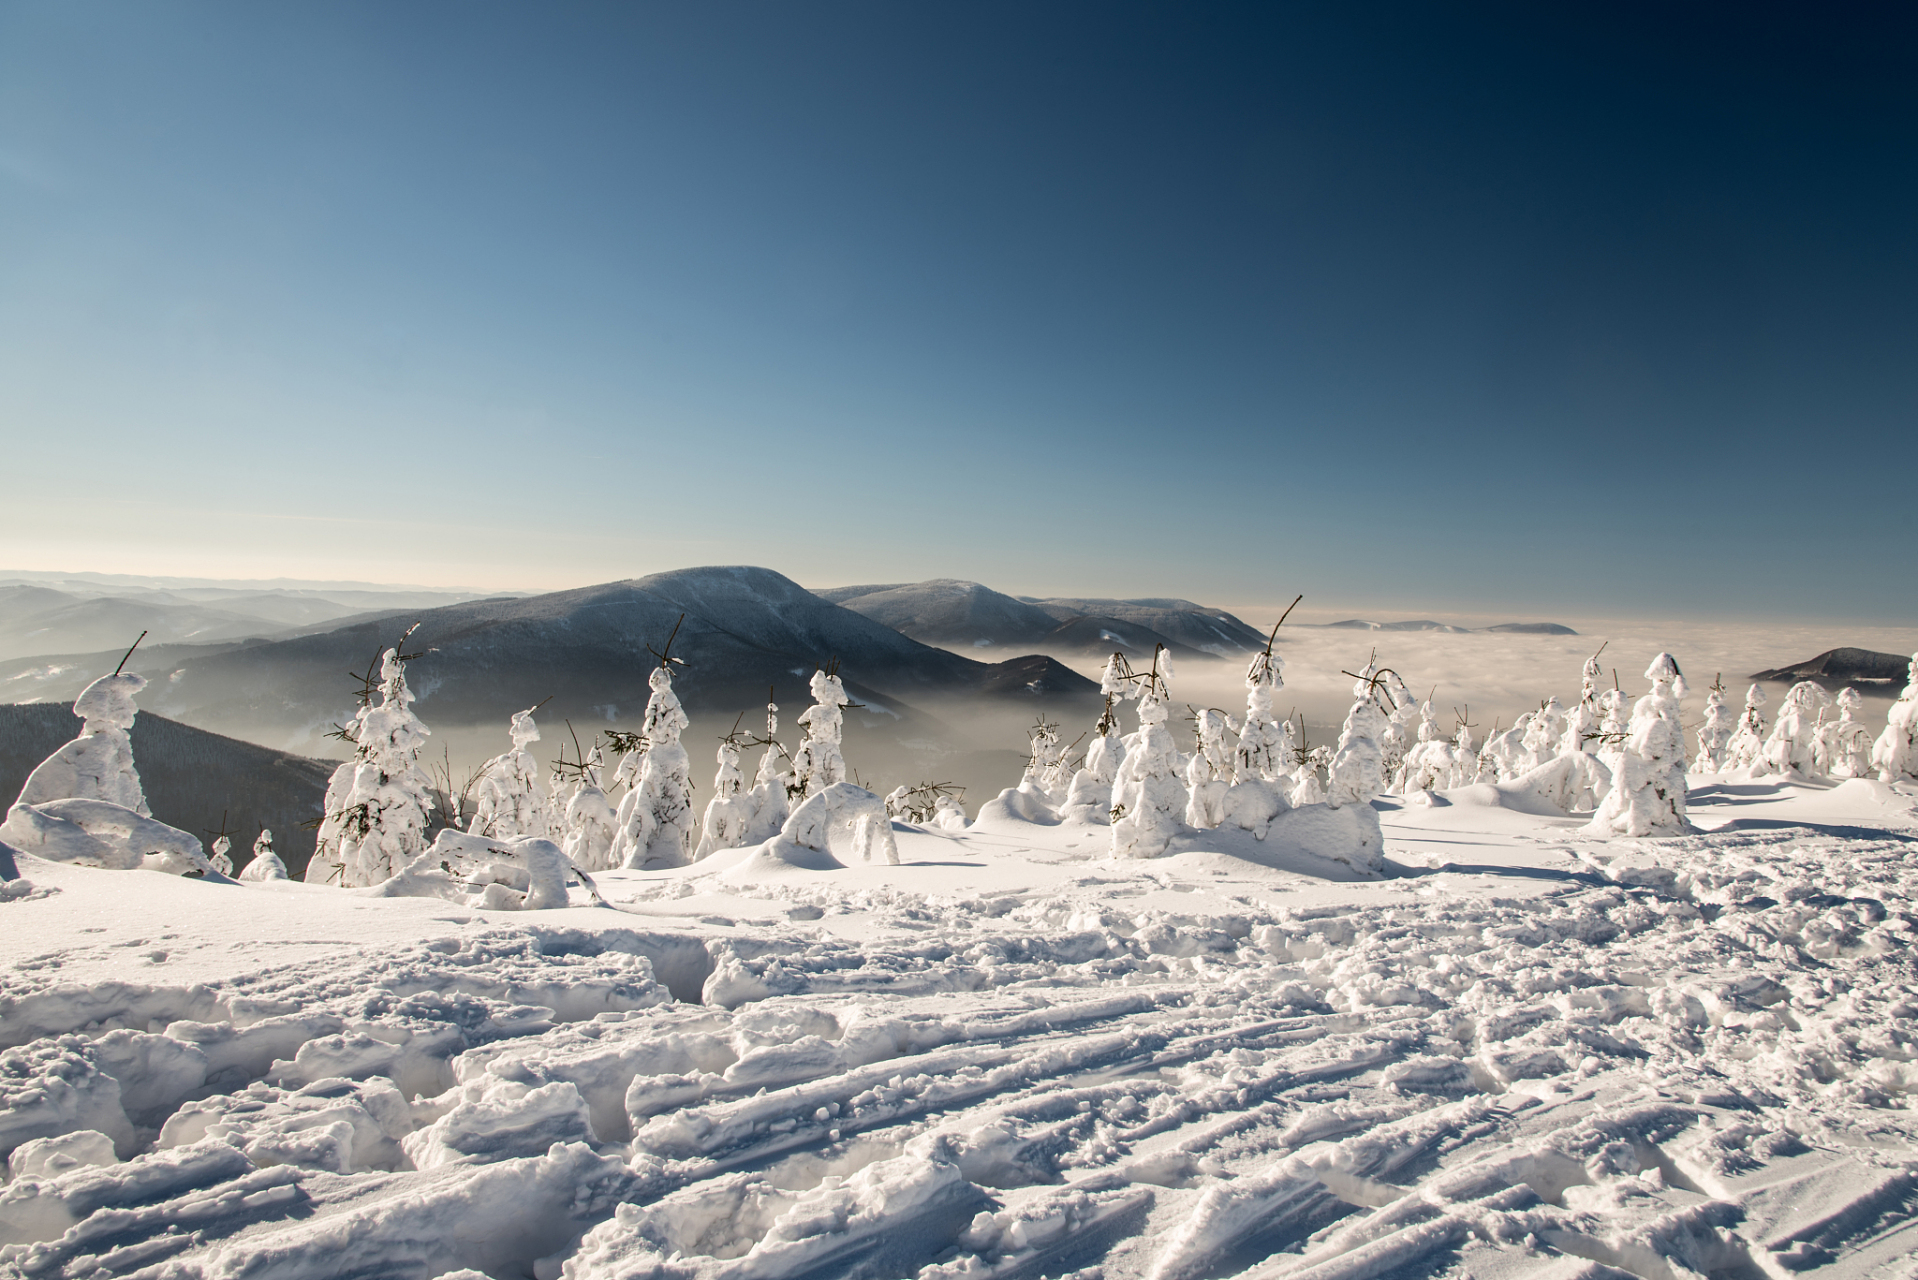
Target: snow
[(1517, 1051)]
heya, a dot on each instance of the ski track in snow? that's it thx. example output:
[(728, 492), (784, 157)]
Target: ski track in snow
[(1550, 1058)]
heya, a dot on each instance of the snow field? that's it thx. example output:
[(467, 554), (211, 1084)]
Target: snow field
[(1527, 1054)]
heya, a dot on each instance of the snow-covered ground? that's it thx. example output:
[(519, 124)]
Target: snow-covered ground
[(1520, 1054)]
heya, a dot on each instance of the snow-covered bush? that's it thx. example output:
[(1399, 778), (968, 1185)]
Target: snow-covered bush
[(1503, 755), (1543, 736), (1747, 744), (1715, 733), (523, 873), (266, 864), (1267, 744), (1582, 721), (99, 833), (1148, 796), (1648, 788), (508, 798), (654, 826), (1430, 762), (97, 765), (1089, 797), (1793, 744), (377, 803), (820, 761), (218, 859), (1399, 733), (770, 797), (843, 820), (1354, 774), (934, 804), (1046, 769), (1895, 754)]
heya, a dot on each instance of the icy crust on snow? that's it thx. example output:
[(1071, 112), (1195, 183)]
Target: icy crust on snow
[(1672, 1058)]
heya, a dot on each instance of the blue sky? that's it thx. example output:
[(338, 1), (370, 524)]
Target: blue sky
[(1514, 308)]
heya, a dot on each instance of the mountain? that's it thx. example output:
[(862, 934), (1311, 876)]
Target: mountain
[(965, 615), (586, 650), (191, 778), (1836, 668)]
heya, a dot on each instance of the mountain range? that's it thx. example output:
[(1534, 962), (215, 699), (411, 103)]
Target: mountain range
[(955, 614)]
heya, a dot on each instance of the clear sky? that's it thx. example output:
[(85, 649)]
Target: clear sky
[(1604, 307)]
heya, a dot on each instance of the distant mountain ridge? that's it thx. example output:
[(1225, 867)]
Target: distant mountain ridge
[(1842, 666), (962, 615)]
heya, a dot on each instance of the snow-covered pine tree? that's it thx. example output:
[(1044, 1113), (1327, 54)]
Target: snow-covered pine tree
[(770, 797), (1400, 730), (1793, 744), (1648, 789), (378, 802), (1354, 776), (1582, 721), (820, 760), (1895, 754), (1844, 744), (1746, 749), (1428, 763), (266, 864), (729, 814), (1464, 752), (1544, 736), (1715, 733), (97, 765), (1089, 796), (591, 822), (1208, 773), (1148, 796), (509, 800), (1505, 752), (1045, 762), (654, 826)]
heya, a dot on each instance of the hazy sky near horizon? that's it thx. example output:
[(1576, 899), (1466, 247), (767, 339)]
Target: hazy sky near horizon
[(1514, 308)]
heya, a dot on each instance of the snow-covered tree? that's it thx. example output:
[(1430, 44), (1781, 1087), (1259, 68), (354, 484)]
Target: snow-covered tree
[(1464, 754), (97, 765), (820, 760), (591, 824), (1844, 744), (1793, 744), (1046, 767), (1715, 733), (1504, 753), (770, 797), (654, 826), (1544, 736), (933, 804), (1308, 780), (377, 803), (1208, 773), (1747, 745), (1089, 796), (1430, 762), (222, 847), (1266, 741), (1148, 796), (509, 800), (1400, 730), (1648, 789), (1353, 775), (1582, 721), (1895, 754), (729, 814), (266, 864)]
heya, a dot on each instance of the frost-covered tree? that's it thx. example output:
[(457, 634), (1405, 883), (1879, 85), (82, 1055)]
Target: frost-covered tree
[(1895, 754), (1544, 736), (1046, 765), (1148, 797), (1746, 748), (654, 826), (770, 797), (1504, 753), (1267, 744), (820, 760), (1089, 796), (222, 848), (933, 804), (509, 800), (1648, 789), (1400, 730), (591, 823), (266, 864), (97, 765), (1208, 773), (1308, 780), (729, 814), (1430, 763), (1793, 744), (1582, 721), (1715, 732), (378, 802), (1353, 775), (1844, 744)]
